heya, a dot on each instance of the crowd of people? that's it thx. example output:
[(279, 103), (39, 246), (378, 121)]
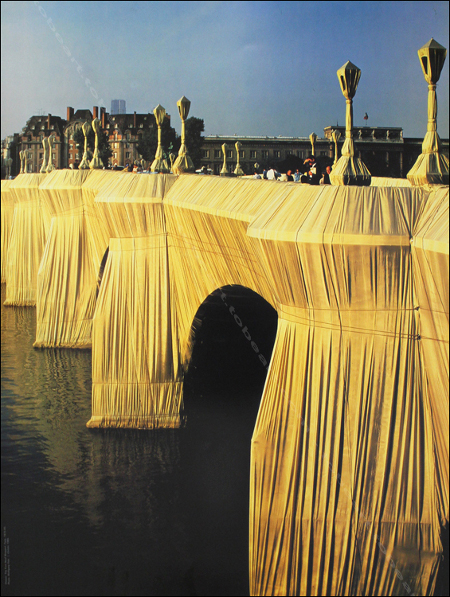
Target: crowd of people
[(311, 173)]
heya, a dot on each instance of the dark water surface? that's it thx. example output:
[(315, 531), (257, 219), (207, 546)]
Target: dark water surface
[(127, 512)]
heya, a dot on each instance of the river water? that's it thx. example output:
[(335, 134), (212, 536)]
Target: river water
[(128, 512)]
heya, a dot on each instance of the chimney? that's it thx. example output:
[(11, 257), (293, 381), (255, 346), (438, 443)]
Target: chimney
[(95, 111), (134, 120), (48, 121), (103, 117), (69, 114)]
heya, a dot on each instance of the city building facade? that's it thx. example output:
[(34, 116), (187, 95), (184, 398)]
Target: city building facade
[(30, 139), (384, 150)]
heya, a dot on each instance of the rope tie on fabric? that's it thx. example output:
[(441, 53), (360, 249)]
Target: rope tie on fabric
[(389, 323), (138, 243)]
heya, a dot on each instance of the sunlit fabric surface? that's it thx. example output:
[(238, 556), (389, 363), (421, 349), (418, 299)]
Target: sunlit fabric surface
[(349, 457), (29, 230), (349, 477), (68, 274), (136, 374), (378, 181), (7, 211)]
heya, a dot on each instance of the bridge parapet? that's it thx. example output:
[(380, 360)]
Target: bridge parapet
[(29, 230)]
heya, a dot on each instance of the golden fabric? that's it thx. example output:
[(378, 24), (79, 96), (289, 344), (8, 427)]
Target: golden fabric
[(136, 374), (378, 181), (7, 211), (68, 274), (349, 469), (349, 456), (29, 229)]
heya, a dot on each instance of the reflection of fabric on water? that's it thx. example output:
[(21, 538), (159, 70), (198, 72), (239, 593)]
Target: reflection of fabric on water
[(359, 278)]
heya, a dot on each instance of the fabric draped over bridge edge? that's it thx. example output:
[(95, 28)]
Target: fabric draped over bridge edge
[(7, 210), (349, 458)]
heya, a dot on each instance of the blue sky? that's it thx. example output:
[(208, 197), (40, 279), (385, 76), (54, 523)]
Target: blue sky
[(250, 68)]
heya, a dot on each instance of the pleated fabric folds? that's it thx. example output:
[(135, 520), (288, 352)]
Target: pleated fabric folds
[(349, 476), (29, 229), (136, 373), (348, 481), (69, 270), (7, 211)]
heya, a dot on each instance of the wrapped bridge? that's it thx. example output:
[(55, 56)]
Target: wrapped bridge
[(350, 452)]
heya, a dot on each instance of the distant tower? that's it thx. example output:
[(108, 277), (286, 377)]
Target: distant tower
[(118, 106)]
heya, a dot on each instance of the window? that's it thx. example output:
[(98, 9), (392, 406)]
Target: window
[(242, 154), (253, 155), (127, 155), (217, 153), (205, 153), (277, 154), (300, 153), (265, 154), (229, 153)]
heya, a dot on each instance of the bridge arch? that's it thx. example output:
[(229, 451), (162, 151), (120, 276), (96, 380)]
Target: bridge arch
[(234, 331), (223, 386)]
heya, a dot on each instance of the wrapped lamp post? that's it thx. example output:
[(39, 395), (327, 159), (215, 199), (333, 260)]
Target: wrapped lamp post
[(238, 170), (43, 169), (336, 135), (50, 165), (431, 166), (224, 171), (96, 162), (312, 138), (84, 165), (159, 163), (349, 170), (183, 163), (23, 161)]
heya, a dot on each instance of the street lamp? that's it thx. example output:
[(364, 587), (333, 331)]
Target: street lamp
[(224, 171), (85, 162), (431, 166), (238, 170), (312, 138), (183, 163), (50, 165), (96, 162), (43, 169), (336, 135), (159, 163), (349, 170), (23, 161)]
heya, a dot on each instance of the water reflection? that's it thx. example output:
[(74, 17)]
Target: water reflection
[(124, 512)]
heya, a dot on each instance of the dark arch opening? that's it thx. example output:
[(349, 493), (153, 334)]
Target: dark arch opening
[(102, 269), (234, 334)]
